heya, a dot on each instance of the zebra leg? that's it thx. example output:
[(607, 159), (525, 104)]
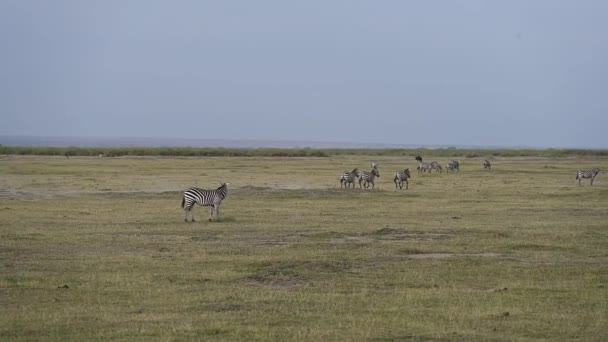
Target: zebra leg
[(406, 184), (186, 215), (592, 178), (211, 213)]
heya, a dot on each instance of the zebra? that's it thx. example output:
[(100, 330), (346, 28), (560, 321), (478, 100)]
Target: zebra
[(205, 198), (422, 167), (368, 177), (400, 177), (487, 165), (453, 166), (580, 174), (348, 178), (436, 166)]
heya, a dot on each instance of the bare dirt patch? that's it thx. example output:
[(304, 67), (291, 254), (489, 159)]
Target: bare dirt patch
[(400, 234), (452, 255)]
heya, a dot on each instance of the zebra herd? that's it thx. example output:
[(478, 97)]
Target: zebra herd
[(214, 198), (367, 177), (400, 177)]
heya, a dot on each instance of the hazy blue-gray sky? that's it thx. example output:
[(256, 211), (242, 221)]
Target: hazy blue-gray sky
[(399, 72)]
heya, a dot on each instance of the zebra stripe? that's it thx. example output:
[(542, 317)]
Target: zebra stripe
[(348, 178), (580, 174), (400, 177), (205, 198), (487, 165), (368, 177)]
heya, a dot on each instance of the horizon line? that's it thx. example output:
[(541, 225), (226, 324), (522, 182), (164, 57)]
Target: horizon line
[(108, 141)]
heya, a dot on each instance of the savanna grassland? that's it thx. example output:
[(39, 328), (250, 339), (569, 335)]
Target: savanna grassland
[(97, 249)]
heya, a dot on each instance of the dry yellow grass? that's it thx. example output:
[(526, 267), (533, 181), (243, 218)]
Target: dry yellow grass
[(96, 248)]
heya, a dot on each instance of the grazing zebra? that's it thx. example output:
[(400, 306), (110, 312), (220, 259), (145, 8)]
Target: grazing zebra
[(436, 166), (205, 198), (368, 177), (422, 167), (454, 166), (487, 165), (400, 177), (580, 174), (348, 178)]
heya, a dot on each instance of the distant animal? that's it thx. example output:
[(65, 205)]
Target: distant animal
[(401, 177), (487, 165), (368, 177), (580, 174), (348, 178), (205, 198), (423, 167), (453, 166), (436, 166)]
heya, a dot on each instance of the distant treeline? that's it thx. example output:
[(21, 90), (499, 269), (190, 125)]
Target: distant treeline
[(288, 152)]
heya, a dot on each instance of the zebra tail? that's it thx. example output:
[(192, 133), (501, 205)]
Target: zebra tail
[(183, 201)]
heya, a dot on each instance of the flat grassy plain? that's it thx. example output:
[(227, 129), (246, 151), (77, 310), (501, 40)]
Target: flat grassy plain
[(97, 249)]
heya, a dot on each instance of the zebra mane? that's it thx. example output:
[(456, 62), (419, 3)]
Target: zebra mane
[(224, 185), (355, 170)]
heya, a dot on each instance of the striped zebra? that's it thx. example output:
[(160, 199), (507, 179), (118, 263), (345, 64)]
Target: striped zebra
[(348, 178), (436, 166), (422, 167), (368, 177), (580, 174), (400, 177), (487, 165), (205, 198), (453, 166)]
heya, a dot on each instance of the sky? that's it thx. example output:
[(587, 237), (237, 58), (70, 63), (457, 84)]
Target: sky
[(470, 72)]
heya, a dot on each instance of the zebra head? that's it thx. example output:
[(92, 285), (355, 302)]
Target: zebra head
[(375, 172), (355, 172), (407, 173), (419, 158)]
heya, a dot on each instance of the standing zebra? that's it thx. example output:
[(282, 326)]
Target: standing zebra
[(400, 177), (205, 198), (487, 165), (580, 174), (368, 177), (454, 166), (348, 178)]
